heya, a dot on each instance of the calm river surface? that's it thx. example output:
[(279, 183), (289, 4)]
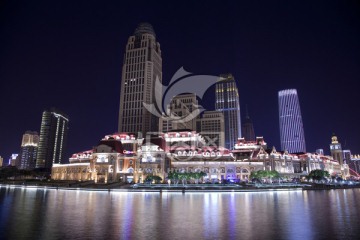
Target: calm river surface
[(70, 214)]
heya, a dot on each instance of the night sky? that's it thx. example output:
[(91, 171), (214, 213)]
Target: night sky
[(69, 54)]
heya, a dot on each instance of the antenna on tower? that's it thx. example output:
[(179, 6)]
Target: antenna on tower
[(247, 112)]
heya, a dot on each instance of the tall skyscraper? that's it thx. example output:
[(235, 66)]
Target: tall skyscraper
[(28, 151), (248, 128), (227, 101), (53, 138), (180, 106), (142, 65), (211, 127), (292, 135)]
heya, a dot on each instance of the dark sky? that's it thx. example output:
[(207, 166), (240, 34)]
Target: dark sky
[(68, 54)]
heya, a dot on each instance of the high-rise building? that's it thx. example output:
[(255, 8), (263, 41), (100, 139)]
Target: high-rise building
[(292, 135), (211, 126), (141, 67), (1, 161), (227, 101), (53, 138), (28, 151), (336, 150), (247, 130), (14, 158), (181, 106)]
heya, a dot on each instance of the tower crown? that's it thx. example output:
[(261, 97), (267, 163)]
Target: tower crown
[(144, 28), (334, 139)]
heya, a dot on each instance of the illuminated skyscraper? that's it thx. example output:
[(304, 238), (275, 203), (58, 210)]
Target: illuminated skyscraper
[(142, 65), (28, 152), (53, 139), (292, 136), (227, 101)]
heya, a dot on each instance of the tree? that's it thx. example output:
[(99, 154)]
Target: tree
[(183, 177), (260, 174), (198, 175), (174, 176), (151, 178), (318, 174)]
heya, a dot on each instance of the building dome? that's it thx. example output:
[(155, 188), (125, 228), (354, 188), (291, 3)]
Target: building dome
[(143, 28)]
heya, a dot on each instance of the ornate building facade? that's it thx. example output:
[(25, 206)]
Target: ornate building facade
[(123, 157)]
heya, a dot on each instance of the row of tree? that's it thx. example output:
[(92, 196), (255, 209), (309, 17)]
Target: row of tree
[(261, 174), (317, 175), (10, 172), (185, 176)]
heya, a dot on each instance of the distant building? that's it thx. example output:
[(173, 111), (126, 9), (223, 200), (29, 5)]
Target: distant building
[(347, 156), (28, 152), (336, 150), (53, 139), (141, 67), (212, 127), (227, 101), (292, 137), (179, 113), (354, 165), (248, 128), (320, 151), (1, 161), (14, 158)]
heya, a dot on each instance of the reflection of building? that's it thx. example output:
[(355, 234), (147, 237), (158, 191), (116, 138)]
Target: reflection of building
[(182, 113), (53, 138), (142, 65), (292, 136), (211, 127), (28, 152), (227, 101)]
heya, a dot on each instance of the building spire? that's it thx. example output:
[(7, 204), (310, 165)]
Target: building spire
[(247, 112)]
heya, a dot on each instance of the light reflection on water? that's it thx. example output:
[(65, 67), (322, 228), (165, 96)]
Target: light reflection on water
[(65, 214)]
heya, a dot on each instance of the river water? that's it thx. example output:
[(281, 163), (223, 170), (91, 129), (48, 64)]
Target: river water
[(27, 213)]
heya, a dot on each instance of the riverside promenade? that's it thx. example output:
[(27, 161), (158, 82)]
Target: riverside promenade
[(122, 187)]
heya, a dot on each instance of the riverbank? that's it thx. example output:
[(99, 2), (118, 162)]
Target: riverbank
[(122, 187)]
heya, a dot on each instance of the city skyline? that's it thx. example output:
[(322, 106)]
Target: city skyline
[(86, 68)]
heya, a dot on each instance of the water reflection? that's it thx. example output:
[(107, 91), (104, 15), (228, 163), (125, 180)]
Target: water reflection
[(61, 214)]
